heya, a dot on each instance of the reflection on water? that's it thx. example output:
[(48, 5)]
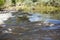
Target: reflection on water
[(30, 27), (53, 21), (35, 17)]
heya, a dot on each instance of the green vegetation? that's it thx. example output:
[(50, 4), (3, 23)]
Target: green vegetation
[(34, 0), (2, 3), (14, 2), (34, 5)]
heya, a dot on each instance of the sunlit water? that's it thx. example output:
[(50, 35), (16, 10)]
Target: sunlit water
[(30, 30), (4, 17)]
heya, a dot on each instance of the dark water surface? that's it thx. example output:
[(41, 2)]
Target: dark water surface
[(28, 27)]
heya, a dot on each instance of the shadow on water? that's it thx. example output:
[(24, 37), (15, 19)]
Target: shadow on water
[(30, 26)]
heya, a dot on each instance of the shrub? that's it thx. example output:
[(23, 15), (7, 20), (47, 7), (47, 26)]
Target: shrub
[(2, 2)]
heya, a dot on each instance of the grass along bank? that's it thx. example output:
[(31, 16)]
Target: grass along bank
[(35, 8)]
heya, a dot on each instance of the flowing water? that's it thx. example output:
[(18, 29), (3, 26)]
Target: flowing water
[(29, 26)]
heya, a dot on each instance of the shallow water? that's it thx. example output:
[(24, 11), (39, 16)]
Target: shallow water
[(28, 28)]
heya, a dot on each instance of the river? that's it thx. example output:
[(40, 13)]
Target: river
[(31, 26)]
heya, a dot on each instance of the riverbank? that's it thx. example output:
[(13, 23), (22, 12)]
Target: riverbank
[(35, 8)]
